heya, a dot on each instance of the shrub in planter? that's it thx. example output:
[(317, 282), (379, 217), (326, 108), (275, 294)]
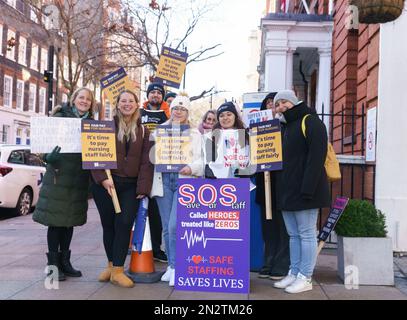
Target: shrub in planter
[(361, 219), (363, 246)]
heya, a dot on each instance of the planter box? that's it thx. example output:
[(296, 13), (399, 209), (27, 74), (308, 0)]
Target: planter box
[(368, 259)]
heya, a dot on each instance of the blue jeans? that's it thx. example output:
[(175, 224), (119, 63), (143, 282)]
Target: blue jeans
[(302, 229), (168, 212)]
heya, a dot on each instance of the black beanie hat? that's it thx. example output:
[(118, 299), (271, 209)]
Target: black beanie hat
[(271, 95), (156, 86), (227, 106), (169, 95)]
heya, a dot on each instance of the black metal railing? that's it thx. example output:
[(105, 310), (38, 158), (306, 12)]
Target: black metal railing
[(348, 138)]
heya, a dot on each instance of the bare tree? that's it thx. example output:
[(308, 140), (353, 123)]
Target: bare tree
[(147, 28), (77, 30)]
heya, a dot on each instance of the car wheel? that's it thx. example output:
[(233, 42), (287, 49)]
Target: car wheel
[(24, 202)]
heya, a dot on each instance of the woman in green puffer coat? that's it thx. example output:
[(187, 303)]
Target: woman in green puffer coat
[(63, 199)]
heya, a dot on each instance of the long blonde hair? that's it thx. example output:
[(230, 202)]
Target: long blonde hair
[(124, 129), (93, 104)]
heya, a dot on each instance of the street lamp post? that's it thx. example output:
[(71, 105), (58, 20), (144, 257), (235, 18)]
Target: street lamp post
[(51, 77)]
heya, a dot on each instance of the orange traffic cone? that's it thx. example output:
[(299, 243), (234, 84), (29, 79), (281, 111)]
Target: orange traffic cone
[(141, 264)]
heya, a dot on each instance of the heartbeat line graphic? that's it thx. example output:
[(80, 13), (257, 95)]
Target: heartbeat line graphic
[(193, 238)]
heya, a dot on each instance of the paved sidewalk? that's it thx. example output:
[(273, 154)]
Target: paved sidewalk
[(22, 263)]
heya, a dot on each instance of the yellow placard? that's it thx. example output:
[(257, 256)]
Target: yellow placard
[(265, 148)]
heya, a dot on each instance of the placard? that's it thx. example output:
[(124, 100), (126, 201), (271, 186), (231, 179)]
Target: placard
[(98, 145), (265, 146), (213, 235), (336, 212), (115, 83), (49, 132), (172, 148), (171, 67)]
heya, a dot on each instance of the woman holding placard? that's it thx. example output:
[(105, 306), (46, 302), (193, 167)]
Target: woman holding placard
[(227, 146), (63, 199), (165, 186), (132, 182)]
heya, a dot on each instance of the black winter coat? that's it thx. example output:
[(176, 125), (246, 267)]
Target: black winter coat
[(304, 184)]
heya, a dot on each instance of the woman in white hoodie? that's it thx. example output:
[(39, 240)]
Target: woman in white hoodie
[(165, 185)]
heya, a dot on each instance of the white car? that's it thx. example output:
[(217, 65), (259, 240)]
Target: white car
[(21, 174)]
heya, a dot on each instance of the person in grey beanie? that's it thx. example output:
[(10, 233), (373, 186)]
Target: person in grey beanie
[(304, 186)]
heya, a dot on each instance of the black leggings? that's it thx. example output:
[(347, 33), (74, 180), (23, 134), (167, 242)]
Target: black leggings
[(117, 227), (59, 238)]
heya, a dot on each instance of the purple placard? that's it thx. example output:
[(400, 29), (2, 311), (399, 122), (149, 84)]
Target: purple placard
[(336, 212), (213, 235), (98, 145)]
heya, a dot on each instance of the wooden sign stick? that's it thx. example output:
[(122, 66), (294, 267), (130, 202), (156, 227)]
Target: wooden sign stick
[(267, 193), (115, 199), (320, 246)]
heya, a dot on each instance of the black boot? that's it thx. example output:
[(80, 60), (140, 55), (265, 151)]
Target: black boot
[(53, 260), (66, 265)]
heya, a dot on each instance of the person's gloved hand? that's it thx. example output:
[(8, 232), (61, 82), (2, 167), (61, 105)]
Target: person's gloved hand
[(54, 156)]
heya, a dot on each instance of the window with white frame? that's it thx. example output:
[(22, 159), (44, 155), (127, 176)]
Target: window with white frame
[(11, 35), (1, 39), (34, 57), (33, 15), (19, 133), (8, 91), (42, 100), (27, 137), (32, 96), (5, 135), (12, 3), (22, 47), (44, 60), (20, 95)]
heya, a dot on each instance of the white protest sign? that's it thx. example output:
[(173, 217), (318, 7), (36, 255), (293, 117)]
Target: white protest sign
[(46, 133), (251, 108), (251, 116), (371, 135)]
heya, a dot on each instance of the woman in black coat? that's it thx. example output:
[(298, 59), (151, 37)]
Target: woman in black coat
[(275, 237), (304, 186)]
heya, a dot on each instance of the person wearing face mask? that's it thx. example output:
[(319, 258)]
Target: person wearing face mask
[(303, 188), (208, 121), (275, 237), (132, 181), (63, 198), (165, 185)]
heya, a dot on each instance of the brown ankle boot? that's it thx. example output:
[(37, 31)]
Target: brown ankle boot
[(118, 277), (104, 276)]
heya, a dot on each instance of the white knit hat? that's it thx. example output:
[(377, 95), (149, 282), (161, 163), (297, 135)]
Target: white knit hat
[(181, 101)]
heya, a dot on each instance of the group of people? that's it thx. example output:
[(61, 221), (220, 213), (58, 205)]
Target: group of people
[(298, 190)]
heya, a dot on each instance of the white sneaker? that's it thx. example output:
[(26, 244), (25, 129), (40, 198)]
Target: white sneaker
[(166, 276), (172, 278), (301, 284), (288, 280)]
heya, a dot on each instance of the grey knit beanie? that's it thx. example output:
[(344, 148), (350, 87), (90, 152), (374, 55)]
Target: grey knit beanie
[(288, 95)]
